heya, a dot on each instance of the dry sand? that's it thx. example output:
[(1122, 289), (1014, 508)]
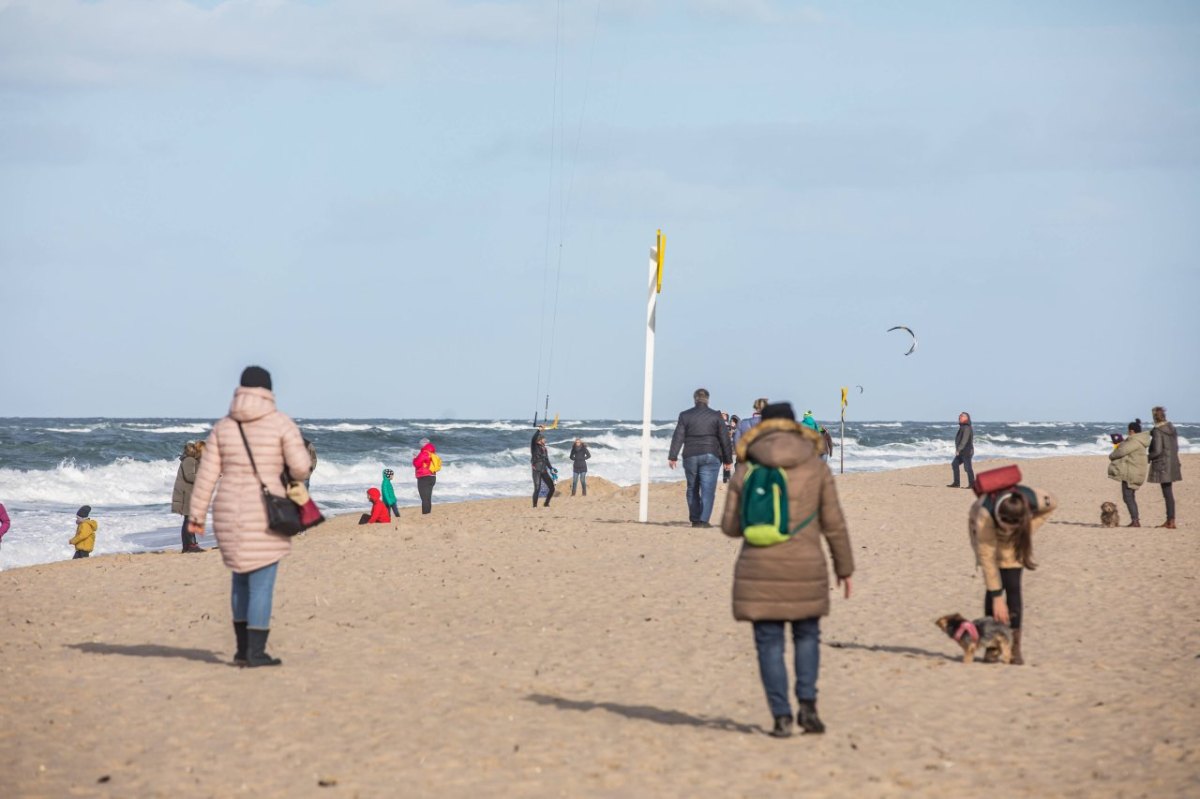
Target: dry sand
[(491, 649)]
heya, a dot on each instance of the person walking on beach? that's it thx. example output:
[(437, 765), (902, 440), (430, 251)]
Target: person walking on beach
[(254, 440), (539, 461), (701, 434), (964, 450), (427, 464), (1001, 528), (749, 422), (85, 533), (388, 493), (181, 496), (579, 459), (1127, 464), (788, 581), (1165, 468)]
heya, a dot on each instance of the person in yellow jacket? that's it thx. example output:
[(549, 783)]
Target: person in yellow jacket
[(85, 533)]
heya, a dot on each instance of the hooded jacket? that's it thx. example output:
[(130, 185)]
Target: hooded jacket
[(701, 431), (994, 546), (788, 581), (1127, 462), (4, 522), (964, 441), (1164, 454), (379, 511), (85, 535), (579, 458), (185, 479), (239, 514), (422, 461), (389, 493)]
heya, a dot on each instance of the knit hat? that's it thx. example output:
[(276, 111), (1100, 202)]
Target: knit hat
[(388, 473), (424, 441), (779, 410), (256, 377), (84, 512)]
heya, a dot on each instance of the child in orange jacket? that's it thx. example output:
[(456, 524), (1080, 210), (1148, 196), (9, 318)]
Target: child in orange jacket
[(379, 511)]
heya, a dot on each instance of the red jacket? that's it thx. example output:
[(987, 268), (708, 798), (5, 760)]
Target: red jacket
[(379, 511), (421, 462)]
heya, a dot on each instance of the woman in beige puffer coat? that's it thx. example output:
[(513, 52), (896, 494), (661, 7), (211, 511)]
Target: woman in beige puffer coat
[(249, 548), (1127, 463)]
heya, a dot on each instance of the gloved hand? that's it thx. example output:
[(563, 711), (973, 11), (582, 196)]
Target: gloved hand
[(298, 493)]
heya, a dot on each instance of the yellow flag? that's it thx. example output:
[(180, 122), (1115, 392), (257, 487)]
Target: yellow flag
[(844, 389)]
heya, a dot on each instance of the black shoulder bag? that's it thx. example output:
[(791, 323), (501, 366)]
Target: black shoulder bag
[(283, 515)]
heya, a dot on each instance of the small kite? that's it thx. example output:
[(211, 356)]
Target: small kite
[(908, 330), (860, 389)]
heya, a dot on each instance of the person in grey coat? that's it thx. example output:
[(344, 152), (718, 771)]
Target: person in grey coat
[(704, 438), (964, 450), (181, 495), (1165, 468)]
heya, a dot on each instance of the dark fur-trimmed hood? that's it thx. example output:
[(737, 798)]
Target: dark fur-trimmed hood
[(780, 443)]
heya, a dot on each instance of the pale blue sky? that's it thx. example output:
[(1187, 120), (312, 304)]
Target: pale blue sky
[(354, 194)]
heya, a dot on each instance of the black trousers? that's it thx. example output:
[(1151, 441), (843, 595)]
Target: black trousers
[(1130, 496), (1011, 580), (540, 477), (187, 539), (1169, 498), (966, 462), (425, 489), (79, 553)]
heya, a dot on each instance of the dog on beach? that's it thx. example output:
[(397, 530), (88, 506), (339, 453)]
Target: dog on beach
[(994, 638), (1109, 517)]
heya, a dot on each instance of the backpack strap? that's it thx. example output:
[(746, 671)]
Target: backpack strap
[(805, 523)]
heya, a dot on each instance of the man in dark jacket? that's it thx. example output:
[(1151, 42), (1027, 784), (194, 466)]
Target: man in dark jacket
[(704, 438), (964, 450)]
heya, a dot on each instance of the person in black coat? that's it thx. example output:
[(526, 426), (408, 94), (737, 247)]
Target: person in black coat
[(964, 450), (703, 436), (579, 459), (539, 461)]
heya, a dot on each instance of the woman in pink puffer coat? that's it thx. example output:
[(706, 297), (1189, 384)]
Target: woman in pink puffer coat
[(249, 548)]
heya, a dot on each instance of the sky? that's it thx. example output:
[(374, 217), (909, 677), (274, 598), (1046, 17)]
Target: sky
[(434, 208)]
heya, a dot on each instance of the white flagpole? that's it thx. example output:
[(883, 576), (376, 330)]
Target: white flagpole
[(655, 285)]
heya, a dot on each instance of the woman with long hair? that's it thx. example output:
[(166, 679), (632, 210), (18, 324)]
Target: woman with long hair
[(1164, 460)]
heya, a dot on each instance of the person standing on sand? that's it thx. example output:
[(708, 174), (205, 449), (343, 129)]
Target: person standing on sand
[(181, 496), (249, 548), (964, 450), (539, 461), (701, 434), (746, 424), (1001, 527), (85, 533), (789, 581), (1165, 468), (579, 459), (1127, 464), (426, 470), (388, 492)]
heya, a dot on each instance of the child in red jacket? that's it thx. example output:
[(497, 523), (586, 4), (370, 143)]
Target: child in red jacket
[(379, 511)]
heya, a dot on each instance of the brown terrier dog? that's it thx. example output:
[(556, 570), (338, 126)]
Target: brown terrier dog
[(1109, 517), (994, 638)]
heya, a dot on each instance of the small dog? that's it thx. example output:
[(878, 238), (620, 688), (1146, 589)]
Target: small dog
[(1109, 517), (994, 638)]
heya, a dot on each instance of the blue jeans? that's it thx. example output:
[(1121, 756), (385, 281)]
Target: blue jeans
[(768, 639), (251, 596), (576, 479), (702, 472)]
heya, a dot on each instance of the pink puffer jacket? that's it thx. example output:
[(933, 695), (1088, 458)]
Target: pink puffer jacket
[(239, 516)]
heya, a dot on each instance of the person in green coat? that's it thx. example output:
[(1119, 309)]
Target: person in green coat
[(389, 493), (1128, 464)]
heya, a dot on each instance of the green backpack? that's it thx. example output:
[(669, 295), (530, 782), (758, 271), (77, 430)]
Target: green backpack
[(764, 508)]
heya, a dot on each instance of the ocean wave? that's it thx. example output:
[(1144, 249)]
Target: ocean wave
[(193, 429), (126, 482), (69, 429)]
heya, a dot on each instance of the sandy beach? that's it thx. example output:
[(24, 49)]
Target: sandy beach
[(491, 649)]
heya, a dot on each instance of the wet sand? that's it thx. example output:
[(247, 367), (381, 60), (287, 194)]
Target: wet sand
[(491, 649)]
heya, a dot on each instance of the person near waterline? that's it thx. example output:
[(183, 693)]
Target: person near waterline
[(427, 463), (311, 449), (789, 581), (539, 461), (1127, 463), (1165, 468), (964, 450), (181, 495), (1001, 527), (579, 459), (379, 509), (85, 533), (4, 522), (388, 492), (254, 439), (700, 432), (746, 424)]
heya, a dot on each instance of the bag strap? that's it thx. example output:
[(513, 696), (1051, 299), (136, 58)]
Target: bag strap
[(805, 523), (251, 456)]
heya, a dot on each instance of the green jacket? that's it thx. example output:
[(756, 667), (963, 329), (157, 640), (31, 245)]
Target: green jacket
[(389, 493), (1128, 462)]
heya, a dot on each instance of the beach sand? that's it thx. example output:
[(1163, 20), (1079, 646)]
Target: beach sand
[(491, 649)]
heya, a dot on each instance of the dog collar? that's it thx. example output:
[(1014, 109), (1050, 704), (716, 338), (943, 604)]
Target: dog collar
[(967, 627)]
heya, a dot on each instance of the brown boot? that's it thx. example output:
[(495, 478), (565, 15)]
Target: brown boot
[(1169, 524), (1017, 660), (1134, 523)]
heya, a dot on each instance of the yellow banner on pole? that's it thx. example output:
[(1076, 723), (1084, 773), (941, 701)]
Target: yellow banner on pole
[(844, 390), (660, 244)]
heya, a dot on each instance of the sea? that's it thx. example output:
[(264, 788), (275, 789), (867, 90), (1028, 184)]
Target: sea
[(125, 468)]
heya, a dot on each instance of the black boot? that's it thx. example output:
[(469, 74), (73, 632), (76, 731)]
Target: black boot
[(239, 632), (807, 717), (783, 727), (256, 654)]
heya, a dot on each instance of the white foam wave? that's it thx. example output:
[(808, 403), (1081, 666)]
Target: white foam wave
[(194, 429), (341, 427), (882, 424), (496, 425), (125, 482), (69, 429)]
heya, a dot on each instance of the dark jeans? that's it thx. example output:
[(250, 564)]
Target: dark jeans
[(701, 472), (1130, 497), (394, 509), (769, 641), (425, 489), (251, 596), (576, 479), (1169, 498), (966, 462), (79, 553), (187, 540), (1011, 580), (540, 477)]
